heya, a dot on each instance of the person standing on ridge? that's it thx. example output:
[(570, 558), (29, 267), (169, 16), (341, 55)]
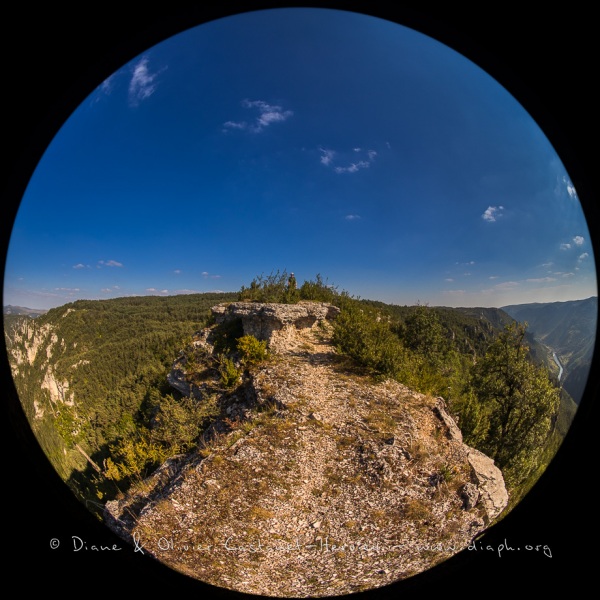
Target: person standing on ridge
[(292, 282)]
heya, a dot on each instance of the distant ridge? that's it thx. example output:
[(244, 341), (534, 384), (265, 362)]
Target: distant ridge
[(22, 310), (567, 328)]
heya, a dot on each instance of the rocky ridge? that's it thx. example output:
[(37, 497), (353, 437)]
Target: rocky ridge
[(319, 481)]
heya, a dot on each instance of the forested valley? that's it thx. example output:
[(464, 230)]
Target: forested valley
[(92, 378)]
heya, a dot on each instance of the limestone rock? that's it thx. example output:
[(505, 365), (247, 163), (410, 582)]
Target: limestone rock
[(262, 320), (488, 478), (336, 458), (454, 433)]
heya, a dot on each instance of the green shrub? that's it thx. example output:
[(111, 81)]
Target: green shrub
[(359, 334), (252, 351), (230, 375)]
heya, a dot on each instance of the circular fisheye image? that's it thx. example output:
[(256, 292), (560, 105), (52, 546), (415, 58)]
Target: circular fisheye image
[(299, 302)]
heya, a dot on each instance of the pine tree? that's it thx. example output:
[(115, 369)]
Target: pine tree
[(520, 402)]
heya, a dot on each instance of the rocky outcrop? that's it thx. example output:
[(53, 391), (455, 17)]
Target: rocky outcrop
[(275, 323), (324, 482), (30, 344), (488, 479)]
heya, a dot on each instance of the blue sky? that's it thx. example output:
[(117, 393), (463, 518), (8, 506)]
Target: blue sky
[(311, 140)]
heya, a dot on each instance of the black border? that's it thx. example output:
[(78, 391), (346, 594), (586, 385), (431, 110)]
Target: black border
[(54, 56)]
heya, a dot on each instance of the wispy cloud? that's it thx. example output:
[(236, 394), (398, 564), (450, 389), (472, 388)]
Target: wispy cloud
[(563, 273), (583, 256), (109, 263), (143, 82), (493, 277), (81, 266), (492, 213), (328, 158), (352, 217), (565, 246), (570, 188), (541, 280), (507, 285), (177, 271), (208, 275), (156, 291), (353, 167), (64, 289), (578, 240), (267, 115), (449, 279)]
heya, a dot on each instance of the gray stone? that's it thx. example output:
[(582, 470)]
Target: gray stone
[(261, 320), (454, 433), (488, 478), (469, 494)]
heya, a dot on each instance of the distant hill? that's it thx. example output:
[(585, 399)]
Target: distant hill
[(22, 310), (567, 328)]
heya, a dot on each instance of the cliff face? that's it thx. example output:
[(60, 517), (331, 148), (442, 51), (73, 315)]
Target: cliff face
[(31, 346), (319, 481)]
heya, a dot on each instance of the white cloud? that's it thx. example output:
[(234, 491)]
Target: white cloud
[(563, 274), (454, 292), (541, 280), (106, 290), (80, 266), (493, 277), (583, 256), (449, 279), (235, 125), (106, 86), (507, 285), (142, 84), (548, 264), (362, 164), (155, 291), (177, 271), (326, 156), (63, 289), (578, 240), (492, 213), (268, 114), (110, 263), (204, 273), (565, 246), (570, 188), (352, 217)]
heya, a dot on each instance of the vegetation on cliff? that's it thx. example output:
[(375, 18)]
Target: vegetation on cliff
[(119, 419)]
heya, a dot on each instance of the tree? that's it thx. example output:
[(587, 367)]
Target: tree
[(520, 404), (423, 333)]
